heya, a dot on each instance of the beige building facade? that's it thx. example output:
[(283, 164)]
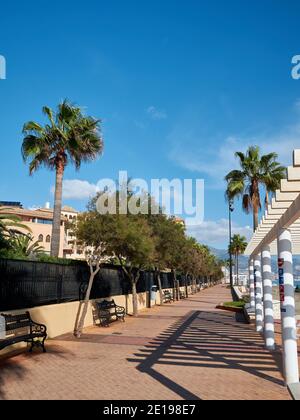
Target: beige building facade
[(40, 221)]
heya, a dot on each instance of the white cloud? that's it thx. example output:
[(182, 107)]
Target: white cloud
[(190, 151), (156, 114), (216, 233), (297, 105), (77, 190)]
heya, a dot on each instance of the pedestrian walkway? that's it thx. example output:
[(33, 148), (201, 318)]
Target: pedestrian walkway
[(185, 350)]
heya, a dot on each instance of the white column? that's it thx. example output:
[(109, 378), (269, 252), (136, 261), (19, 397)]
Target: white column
[(269, 330), (258, 294), (252, 289), (288, 316)]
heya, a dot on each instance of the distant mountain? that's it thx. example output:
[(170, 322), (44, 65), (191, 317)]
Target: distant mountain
[(222, 254)]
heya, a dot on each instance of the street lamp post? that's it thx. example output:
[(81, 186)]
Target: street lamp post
[(231, 209)]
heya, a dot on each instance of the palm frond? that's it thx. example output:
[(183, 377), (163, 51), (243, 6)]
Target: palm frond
[(247, 204)]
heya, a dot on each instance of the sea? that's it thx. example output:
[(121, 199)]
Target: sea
[(297, 295), (297, 283)]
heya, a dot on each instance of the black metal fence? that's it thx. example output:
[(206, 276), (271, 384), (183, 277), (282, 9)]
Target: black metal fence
[(26, 284)]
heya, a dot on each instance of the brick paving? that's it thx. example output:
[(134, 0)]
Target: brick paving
[(187, 350)]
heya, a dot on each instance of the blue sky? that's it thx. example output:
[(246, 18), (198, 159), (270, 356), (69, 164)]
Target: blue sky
[(179, 85)]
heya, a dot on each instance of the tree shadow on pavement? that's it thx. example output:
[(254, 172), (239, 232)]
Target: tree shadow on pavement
[(211, 340), (10, 368), (13, 370)]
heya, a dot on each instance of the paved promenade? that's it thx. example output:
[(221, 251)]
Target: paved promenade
[(187, 350)]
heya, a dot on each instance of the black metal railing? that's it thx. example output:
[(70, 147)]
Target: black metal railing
[(26, 284)]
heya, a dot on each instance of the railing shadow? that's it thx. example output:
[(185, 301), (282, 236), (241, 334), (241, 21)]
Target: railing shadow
[(207, 340)]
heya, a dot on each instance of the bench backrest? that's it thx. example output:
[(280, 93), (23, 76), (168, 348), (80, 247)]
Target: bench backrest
[(17, 324), (106, 305)]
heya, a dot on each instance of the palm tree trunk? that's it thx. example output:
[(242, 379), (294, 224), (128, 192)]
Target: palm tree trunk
[(237, 269), (255, 203), (56, 227), (255, 218), (267, 200)]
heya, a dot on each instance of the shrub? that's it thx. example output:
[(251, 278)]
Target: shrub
[(238, 304), (54, 260)]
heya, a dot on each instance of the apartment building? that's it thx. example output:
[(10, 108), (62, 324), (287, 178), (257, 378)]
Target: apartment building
[(40, 221)]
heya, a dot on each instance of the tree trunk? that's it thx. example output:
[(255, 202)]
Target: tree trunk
[(194, 285), (174, 285), (159, 287), (267, 200), (237, 269), (56, 227), (255, 203), (255, 219), (186, 286), (134, 298), (83, 306)]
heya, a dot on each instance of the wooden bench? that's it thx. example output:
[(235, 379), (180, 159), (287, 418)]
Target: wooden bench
[(168, 297), (109, 311), (21, 328)]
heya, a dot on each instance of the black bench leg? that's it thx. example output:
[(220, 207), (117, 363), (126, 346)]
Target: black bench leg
[(37, 344), (104, 322), (43, 345)]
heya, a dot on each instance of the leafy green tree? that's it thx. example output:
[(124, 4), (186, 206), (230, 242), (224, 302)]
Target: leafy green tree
[(256, 171), (93, 232), (131, 242), (191, 261), (168, 240), (69, 136)]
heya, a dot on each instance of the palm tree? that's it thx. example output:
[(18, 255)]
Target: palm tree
[(256, 170), (9, 225), (24, 245), (237, 247), (68, 137), (273, 173)]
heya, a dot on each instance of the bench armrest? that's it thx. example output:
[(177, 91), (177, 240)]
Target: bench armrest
[(120, 310), (38, 328)]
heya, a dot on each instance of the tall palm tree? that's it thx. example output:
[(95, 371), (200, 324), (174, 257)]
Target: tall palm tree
[(237, 247), (273, 173), (256, 170), (68, 137)]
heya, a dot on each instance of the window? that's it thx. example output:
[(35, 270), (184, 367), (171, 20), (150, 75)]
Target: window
[(43, 221), (41, 238), (48, 239)]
